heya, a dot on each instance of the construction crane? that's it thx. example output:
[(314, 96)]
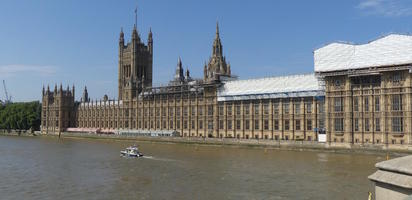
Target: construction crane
[(8, 99)]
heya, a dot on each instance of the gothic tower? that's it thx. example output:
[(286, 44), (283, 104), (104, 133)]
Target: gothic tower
[(135, 65), (217, 65)]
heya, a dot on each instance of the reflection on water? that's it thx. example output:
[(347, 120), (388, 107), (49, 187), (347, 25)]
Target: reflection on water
[(48, 168)]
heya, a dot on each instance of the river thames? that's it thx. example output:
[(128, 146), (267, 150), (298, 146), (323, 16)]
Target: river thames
[(49, 168)]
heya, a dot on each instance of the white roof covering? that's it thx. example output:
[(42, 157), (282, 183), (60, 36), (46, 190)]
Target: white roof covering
[(393, 49), (273, 87)]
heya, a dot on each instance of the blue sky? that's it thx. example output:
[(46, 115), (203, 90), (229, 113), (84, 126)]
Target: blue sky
[(75, 42)]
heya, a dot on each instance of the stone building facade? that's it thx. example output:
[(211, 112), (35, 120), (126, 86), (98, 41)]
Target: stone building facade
[(368, 91), (353, 105), (58, 111)]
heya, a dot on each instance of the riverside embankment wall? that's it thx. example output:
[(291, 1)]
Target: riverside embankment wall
[(257, 143)]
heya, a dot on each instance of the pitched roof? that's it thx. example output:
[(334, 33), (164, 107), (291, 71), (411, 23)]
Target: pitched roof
[(272, 87), (393, 49)]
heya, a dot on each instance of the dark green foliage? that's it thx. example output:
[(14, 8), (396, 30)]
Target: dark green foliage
[(21, 116)]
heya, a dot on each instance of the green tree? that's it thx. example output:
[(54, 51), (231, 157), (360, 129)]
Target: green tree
[(21, 116)]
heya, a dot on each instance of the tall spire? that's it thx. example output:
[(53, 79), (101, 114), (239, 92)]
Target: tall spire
[(121, 38), (150, 41), (179, 70), (134, 33), (135, 15), (217, 29), (217, 65), (85, 97), (217, 45)]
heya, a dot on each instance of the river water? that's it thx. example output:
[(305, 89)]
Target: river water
[(49, 168)]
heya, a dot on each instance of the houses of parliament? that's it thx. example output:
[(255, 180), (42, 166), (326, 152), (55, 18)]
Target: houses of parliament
[(358, 94)]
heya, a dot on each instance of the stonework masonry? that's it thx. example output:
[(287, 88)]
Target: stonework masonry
[(366, 106)]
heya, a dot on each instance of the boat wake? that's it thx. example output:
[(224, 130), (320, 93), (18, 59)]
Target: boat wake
[(158, 159)]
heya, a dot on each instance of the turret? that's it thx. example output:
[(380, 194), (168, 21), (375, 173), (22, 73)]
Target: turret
[(188, 78), (43, 91), (135, 36), (48, 89), (205, 72), (73, 92), (85, 97), (187, 73), (61, 89), (55, 89), (179, 71), (150, 41), (121, 38)]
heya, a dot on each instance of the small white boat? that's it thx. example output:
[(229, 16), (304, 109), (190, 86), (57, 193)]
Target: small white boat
[(131, 151)]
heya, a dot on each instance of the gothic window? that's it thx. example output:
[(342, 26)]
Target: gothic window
[(256, 124), (256, 108), (200, 111), (247, 124), (193, 110), (276, 126), (366, 104), (309, 125), (221, 125), (396, 102), (210, 110), (286, 108), (210, 125), (164, 112), (356, 104), (366, 124), (309, 107), (170, 112), (396, 77), (229, 109), (200, 124), (246, 109), (237, 110), (286, 125), (377, 103), (356, 124), (338, 124), (338, 104), (276, 108), (297, 125), (237, 124), (397, 124), (229, 124), (185, 111), (297, 108), (377, 124), (266, 124), (266, 108)]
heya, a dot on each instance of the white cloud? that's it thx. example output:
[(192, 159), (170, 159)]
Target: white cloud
[(387, 8), (12, 70)]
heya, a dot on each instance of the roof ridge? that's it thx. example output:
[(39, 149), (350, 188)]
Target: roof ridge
[(358, 44), (273, 77)]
